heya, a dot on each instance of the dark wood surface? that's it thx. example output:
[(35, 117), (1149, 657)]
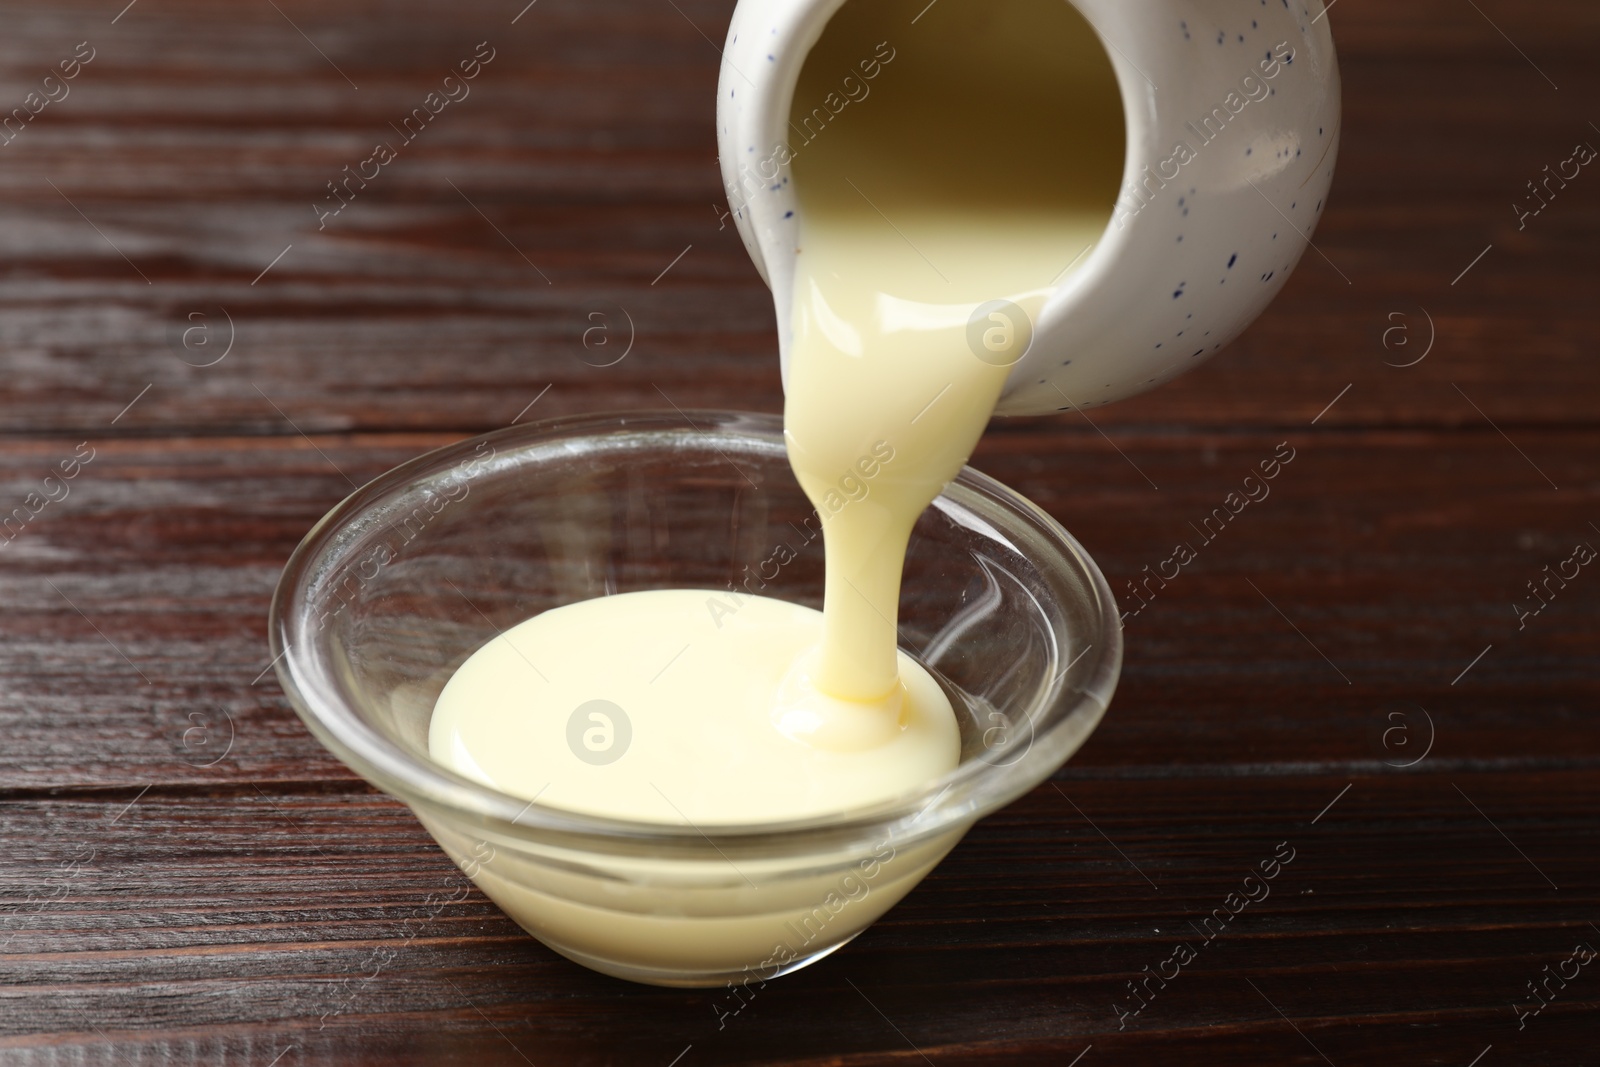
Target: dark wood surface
[(174, 896)]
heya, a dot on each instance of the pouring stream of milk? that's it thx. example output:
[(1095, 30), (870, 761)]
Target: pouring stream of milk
[(939, 211), (965, 179)]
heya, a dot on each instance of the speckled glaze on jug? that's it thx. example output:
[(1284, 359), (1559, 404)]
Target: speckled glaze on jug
[(1231, 112)]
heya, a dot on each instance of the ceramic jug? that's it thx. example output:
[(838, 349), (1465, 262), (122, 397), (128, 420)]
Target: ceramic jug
[(1230, 111)]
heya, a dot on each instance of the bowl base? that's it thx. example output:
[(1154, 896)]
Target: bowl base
[(679, 978)]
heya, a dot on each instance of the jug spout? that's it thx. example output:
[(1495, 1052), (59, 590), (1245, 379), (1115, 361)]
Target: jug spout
[(1230, 115)]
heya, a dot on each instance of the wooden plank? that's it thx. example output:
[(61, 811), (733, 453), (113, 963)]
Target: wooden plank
[(295, 919), (1363, 586), (583, 164)]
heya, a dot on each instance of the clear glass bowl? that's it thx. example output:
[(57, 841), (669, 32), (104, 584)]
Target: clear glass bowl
[(413, 572)]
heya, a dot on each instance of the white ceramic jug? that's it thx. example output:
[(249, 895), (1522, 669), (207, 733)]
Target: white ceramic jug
[(1231, 113)]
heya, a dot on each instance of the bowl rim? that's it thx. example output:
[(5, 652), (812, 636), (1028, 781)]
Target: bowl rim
[(956, 799)]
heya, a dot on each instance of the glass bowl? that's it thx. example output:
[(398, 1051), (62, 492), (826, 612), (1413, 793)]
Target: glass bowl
[(412, 573)]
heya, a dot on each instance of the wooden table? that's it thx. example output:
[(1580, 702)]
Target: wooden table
[(188, 877)]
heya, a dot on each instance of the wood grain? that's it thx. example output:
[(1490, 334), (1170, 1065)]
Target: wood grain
[(262, 913), (587, 146), (189, 878)]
